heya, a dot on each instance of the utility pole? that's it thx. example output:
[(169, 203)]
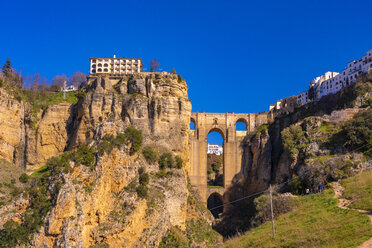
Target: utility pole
[(272, 213), (64, 89)]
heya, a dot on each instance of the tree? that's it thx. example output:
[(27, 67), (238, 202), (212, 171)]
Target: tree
[(59, 80), (7, 67), (77, 78), (134, 137), (154, 64), (35, 84), (173, 71)]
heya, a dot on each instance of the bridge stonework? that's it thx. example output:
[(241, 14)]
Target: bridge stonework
[(225, 124)]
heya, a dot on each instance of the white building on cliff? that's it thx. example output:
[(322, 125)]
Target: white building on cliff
[(115, 65), (332, 82)]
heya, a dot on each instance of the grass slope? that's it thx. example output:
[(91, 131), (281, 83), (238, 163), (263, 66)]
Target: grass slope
[(316, 221), (9, 183), (358, 189)]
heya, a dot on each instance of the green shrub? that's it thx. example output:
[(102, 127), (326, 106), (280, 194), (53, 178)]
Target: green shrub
[(150, 155), (166, 160), (43, 193), (281, 205), (296, 186), (12, 181), (179, 162), (131, 187), (119, 140), (85, 155), (357, 132), (262, 128), (216, 166), (109, 142), (141, 191), (24, 178), (143, 177), (161, 173), (291, 136), (179, 78), (134, 137), (104, 147)]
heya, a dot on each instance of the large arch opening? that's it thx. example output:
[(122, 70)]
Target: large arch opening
[(215, 158), (215, 204)]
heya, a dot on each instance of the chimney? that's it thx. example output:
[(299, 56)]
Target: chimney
[(114, 56)]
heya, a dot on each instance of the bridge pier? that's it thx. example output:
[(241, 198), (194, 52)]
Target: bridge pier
[(225, 124)]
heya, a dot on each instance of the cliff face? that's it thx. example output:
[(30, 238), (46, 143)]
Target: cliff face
[(155, 103), (29, 141), (101, 205), (265, 160), (12, 128)]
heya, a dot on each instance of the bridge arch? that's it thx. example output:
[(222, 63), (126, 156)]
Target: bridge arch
[(225, 125), (215, 204), (215, 167), (218, 130)]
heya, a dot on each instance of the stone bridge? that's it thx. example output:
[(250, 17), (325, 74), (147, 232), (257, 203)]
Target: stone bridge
[(225, 124)]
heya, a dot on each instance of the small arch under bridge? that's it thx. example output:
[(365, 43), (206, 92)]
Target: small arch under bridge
[(225, 124)]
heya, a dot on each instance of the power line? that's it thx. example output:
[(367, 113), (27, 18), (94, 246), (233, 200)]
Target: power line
[(246, 197)]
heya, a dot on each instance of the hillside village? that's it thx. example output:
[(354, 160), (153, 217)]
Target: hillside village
[(326, 84)]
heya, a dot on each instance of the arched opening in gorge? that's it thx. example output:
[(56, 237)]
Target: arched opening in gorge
[(215, 158), (241, 125), (215, 204)]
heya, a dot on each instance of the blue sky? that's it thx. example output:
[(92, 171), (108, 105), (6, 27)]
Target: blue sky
[(236, 56)]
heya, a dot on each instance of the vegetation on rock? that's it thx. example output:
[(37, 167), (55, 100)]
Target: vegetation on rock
[(134, 137), (150, 154)]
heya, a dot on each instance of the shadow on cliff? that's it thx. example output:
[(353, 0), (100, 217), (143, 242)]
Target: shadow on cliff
[(265, 162)]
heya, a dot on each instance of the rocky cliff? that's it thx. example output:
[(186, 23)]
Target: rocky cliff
[(306, 147), (99, 195), (29, 137)]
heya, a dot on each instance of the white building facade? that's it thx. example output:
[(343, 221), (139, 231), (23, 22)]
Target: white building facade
[(332, 82), (214, 149), (303, 98), (115, 65)]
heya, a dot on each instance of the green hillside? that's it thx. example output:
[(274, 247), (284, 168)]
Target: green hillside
[(315, 221), (358, 189)]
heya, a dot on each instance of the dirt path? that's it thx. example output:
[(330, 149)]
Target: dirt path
[(344, 203)]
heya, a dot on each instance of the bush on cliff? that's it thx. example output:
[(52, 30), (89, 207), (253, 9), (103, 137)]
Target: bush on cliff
[(134, 137), (141, 191), (85, 155), (109, 142), (150, 154), (166, 160), (357, 132), (43, 190), (291, 137), (24, 178), (179, 162)]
